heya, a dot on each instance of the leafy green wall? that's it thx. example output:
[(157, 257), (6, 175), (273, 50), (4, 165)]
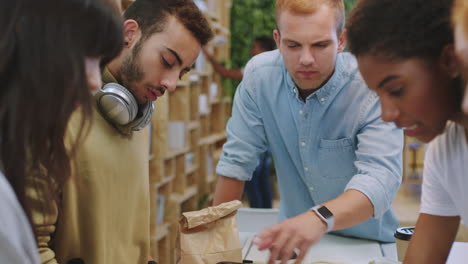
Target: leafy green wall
[(349, 4), (249, 19)]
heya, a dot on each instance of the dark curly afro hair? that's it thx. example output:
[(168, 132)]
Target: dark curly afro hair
[(400, 29)]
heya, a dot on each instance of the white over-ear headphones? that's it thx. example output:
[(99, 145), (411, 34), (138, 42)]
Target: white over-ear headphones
[(119, 107)]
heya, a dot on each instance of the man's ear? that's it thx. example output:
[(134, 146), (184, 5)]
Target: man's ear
[(448, 60), (277, 37), (131, 32), (342, 40)]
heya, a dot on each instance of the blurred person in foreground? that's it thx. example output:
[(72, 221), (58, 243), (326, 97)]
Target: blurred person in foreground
[(50, 62), (103, 215)]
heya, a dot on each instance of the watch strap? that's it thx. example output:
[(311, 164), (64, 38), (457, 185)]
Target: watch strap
[(326, 215)]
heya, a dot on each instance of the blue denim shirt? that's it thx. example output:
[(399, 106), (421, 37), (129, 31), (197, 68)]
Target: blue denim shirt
[(332, 142)]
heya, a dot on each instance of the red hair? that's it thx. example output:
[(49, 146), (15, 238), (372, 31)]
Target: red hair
[(307, 7)]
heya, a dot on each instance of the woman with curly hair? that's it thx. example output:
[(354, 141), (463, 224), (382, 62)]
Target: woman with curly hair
[(406, 54)]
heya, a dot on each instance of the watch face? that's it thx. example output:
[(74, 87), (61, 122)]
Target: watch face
[(325, 212)]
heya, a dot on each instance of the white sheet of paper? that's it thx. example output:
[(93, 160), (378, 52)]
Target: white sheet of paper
[(331, 249), (458, 253)]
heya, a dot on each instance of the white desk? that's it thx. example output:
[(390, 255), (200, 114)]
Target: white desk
[(346, 250), (330, 248), (458, 253)]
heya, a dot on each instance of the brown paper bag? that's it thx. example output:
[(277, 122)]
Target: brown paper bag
[(209, 236)]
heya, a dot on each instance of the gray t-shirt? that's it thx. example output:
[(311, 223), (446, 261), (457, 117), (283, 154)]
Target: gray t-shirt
[(17, 244)]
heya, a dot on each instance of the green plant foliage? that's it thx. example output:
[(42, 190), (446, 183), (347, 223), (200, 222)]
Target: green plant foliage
[(202, 202), (349, 4), (249, 19)]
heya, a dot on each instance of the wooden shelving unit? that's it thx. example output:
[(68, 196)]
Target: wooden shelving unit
[(413, 161), (182, 168)]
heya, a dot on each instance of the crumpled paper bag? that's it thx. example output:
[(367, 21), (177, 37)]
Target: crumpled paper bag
[(209, 236)]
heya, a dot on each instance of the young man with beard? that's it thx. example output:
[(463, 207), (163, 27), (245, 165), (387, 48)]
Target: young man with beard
[(102, 214), (338, 164)]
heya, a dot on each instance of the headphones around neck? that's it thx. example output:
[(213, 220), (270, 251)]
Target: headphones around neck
[(120, 108)]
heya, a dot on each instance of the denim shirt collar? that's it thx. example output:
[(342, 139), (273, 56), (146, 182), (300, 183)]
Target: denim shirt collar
[(327, 90)]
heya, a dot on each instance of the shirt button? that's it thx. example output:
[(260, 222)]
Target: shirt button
[(311, 188), (303, 143), (306, 169), (322, 99), (300, 112)]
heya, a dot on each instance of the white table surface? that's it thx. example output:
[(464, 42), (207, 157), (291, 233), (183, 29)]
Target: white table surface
[(330, 248), (458, 254), (349, 250), (252, 221)]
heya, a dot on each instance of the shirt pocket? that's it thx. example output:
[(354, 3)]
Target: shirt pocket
[(336, 158)]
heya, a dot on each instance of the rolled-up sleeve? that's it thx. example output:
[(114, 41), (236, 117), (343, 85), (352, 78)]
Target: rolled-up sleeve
[(378, 158), (246, 138)]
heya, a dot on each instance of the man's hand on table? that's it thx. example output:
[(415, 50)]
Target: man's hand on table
[(299, 232)]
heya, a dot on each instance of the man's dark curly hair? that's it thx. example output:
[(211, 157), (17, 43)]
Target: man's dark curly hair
[(152, 15), (400, 29)]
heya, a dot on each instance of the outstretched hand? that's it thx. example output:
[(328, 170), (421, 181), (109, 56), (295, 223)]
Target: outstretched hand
[(299, 232)]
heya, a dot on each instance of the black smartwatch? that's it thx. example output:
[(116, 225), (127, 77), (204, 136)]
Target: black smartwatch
[(324, 214)]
